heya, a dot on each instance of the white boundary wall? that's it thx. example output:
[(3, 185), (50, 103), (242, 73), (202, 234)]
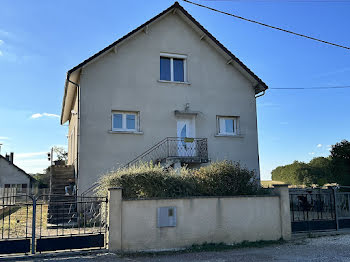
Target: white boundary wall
[(133, 223)]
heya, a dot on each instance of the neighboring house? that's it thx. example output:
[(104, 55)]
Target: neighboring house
[(12, 178), (167, 78)]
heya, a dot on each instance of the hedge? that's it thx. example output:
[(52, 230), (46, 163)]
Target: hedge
[(147, 180)]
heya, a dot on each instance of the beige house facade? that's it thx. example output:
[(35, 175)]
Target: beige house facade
[(168, 91)]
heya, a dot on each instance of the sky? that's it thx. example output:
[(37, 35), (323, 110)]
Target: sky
[(41, 40)]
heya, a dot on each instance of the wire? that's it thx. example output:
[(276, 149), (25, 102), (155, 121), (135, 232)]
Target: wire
[(310, 88), (270, 26)]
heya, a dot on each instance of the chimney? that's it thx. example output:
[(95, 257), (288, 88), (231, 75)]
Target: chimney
[(11, 158), (7, 157)]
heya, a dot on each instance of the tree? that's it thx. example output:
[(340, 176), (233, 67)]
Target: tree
[(296, 173), (61, 153), (42, 179), (340, 155), (317, 171), (321, 171)]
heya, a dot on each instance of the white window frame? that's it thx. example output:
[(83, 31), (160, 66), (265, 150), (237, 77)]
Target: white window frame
[(124, 128), (172, 56), (221, 125)]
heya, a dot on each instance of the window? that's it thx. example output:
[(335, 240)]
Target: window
[(172, 67), (227, 125), (24, 188), (18, 188), (124, 121)]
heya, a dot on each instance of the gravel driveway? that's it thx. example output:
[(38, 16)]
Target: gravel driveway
[(330, 248)]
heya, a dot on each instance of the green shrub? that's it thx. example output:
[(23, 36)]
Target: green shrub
[(152, 181), (225, 179)]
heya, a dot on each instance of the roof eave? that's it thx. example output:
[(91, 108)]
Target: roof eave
[(262, 85)]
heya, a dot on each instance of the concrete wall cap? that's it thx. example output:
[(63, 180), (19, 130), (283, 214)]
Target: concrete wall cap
[(198, 197), (115, 188)]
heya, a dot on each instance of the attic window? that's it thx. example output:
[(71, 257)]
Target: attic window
[(172, 67)]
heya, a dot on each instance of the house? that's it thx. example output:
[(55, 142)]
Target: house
[(169, 92), (12, 178)]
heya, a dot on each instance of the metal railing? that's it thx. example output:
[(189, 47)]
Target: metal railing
[(186, 149)]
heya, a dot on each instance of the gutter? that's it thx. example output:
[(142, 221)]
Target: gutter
[(260, 94), (78, 125)]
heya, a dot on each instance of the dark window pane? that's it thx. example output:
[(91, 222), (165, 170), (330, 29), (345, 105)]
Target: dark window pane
[(130, 121), (117, 121), (178, 70), (165, 68)]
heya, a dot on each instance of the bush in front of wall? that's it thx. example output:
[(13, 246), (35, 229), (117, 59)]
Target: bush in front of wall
[(147, 180), (225, 179)]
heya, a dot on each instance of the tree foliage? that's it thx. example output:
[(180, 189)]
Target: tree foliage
[(340, 155), (61, 153), (320, 170)]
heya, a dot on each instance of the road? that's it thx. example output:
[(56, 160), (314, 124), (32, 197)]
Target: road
[(329, 248)]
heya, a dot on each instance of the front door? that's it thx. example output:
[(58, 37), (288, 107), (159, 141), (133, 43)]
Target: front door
[(186, 146)]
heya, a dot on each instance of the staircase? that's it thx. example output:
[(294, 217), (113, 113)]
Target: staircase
[(175, 150), (170, 152), (62, 208)]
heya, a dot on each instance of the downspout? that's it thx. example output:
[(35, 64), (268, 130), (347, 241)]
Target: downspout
[(256, 123), (78, 126)]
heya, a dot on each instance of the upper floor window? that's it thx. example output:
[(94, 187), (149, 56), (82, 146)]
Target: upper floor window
[(227, 125), (124, 121), (173, 67)]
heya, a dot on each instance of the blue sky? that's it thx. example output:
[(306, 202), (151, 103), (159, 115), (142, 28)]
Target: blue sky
[(41, 40)]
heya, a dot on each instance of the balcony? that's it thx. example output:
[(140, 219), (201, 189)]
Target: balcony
[(175, 149)]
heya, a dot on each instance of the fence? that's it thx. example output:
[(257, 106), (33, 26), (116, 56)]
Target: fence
[(319, 209), (151, 224), (51, 222)]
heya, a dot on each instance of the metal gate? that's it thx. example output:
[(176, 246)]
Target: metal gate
[(52, 222), (312, 210), (343, 209)]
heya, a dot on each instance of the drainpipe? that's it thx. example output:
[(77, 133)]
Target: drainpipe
[(78, 126)]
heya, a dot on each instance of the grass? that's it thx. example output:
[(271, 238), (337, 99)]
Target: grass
[(17, 221), (206, 247)]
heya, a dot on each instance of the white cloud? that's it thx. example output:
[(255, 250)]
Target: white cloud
[(51, 115), (29, 155), (32, 165), (311, 153), (1, 42), (319, 145), (38, 115), (1, 53), (4, 33), (4, 138)]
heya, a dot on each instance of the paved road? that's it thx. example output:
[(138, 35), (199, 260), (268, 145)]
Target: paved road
[(330, 248)]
